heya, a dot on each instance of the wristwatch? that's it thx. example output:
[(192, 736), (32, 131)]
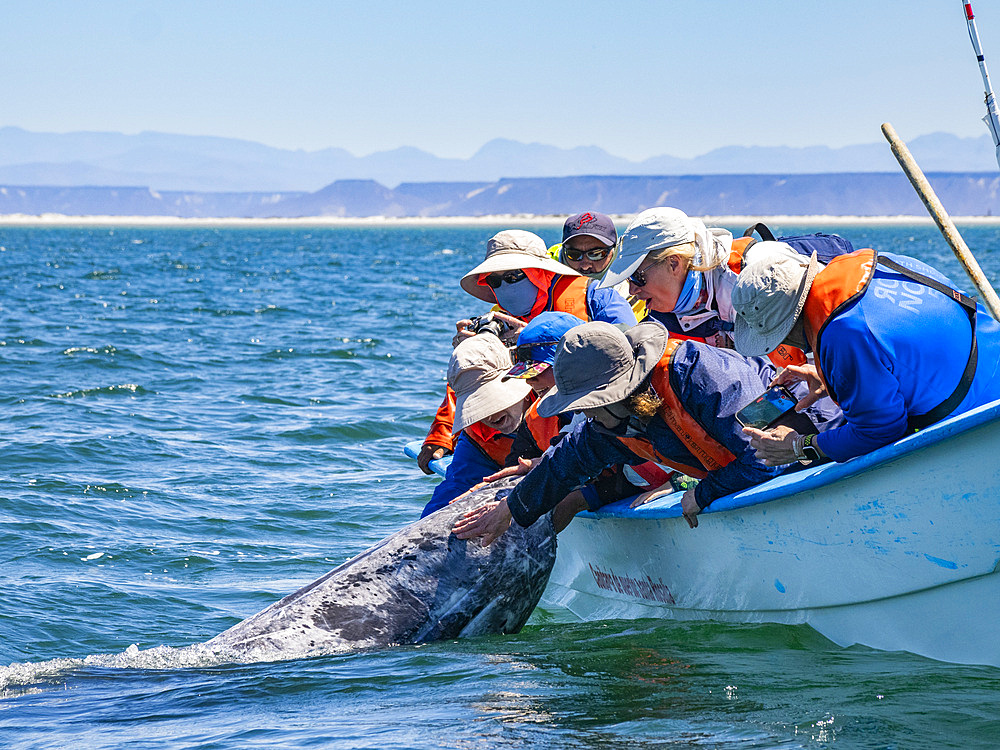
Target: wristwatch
[(809, 450)]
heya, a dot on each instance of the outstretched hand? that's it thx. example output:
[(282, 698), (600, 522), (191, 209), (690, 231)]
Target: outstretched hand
[(689, 506), (488, 522), (524, 465), (647, 497), (809, 375)]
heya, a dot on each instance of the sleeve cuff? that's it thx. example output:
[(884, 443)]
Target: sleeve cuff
[(518, 511), (591, 497)]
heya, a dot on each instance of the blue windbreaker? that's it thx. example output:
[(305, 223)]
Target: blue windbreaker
[(712, 385), (467, 468), (609, 306), (897, 352)]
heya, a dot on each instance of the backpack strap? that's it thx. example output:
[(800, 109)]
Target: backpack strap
[(947, 406), (762, 229)]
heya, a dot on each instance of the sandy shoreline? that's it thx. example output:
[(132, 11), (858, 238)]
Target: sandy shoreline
[(505, 219)]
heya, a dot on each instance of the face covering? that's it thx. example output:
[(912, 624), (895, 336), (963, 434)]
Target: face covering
[(690, 292), (517, 298)]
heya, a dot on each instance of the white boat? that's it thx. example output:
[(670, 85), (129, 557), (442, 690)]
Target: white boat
[(897, 550)]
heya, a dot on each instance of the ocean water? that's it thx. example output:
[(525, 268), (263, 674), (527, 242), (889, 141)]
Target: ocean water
[(197, 421)]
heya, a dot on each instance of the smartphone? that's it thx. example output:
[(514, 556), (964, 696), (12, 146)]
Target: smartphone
[(767, 408)]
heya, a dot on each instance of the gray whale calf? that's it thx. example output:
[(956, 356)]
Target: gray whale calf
[(420, 584)]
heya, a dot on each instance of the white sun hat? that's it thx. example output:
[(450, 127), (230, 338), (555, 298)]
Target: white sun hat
[(475, 373), (512, 250)]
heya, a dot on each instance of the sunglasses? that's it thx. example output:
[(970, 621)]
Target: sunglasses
[(523, 353), (494, 280), (573, 254), (639, 277)]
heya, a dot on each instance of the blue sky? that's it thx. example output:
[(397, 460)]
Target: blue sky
[(635, 78)]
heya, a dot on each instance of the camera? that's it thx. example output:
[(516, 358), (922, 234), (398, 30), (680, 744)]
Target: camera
[(488, 324)]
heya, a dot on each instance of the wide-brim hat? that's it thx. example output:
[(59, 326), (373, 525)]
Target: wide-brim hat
[(768, 300), (598, 364), (652, 229), (475, 373), (512, 250)]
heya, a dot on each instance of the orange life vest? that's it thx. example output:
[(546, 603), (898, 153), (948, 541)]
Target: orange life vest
[(737, 251), (712, 454), (495, 445), (567, 294), (844, 279), (543, 429), (652, 474)]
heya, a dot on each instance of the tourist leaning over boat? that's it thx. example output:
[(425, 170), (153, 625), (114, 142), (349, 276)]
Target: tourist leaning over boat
[(895, 345), (685, 273), (488, 412), (588, 246), (523, 281), (648, 398), (533, 358), (532, 363)]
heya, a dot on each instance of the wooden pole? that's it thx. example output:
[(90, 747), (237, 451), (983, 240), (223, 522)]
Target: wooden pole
[(986, 292)]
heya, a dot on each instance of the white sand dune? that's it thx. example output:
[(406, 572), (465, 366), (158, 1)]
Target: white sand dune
[(519, 219)]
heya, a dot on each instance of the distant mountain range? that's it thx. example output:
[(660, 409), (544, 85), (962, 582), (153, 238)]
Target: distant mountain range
[(853, 194), (165, 162)]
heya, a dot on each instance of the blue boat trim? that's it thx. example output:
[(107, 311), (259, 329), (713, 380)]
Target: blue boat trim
[(439, 466)]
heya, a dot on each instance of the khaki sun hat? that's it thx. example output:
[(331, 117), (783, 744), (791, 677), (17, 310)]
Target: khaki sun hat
[(768, 299), (512, 250), (597, 364), (475, 373)]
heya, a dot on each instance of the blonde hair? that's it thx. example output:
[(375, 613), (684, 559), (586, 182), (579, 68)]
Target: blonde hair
[(645, 404), (685, 250)]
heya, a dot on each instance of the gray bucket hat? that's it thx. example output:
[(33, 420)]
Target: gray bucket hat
[(475, 373), (512, 250), (597, 364), (768, 299)]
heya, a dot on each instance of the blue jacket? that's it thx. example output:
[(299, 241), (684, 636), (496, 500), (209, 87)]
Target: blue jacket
[(897, 352), (467, 468), (609, 306), (712, 385)]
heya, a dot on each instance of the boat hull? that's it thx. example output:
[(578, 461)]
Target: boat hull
[(897, 550)]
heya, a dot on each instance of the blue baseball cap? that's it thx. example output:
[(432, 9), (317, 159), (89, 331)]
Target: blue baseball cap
[(536, 344)]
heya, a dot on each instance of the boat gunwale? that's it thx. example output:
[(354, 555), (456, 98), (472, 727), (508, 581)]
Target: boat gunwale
[(786, 485)]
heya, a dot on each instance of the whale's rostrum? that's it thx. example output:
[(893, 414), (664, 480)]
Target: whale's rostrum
[(420, 584)]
